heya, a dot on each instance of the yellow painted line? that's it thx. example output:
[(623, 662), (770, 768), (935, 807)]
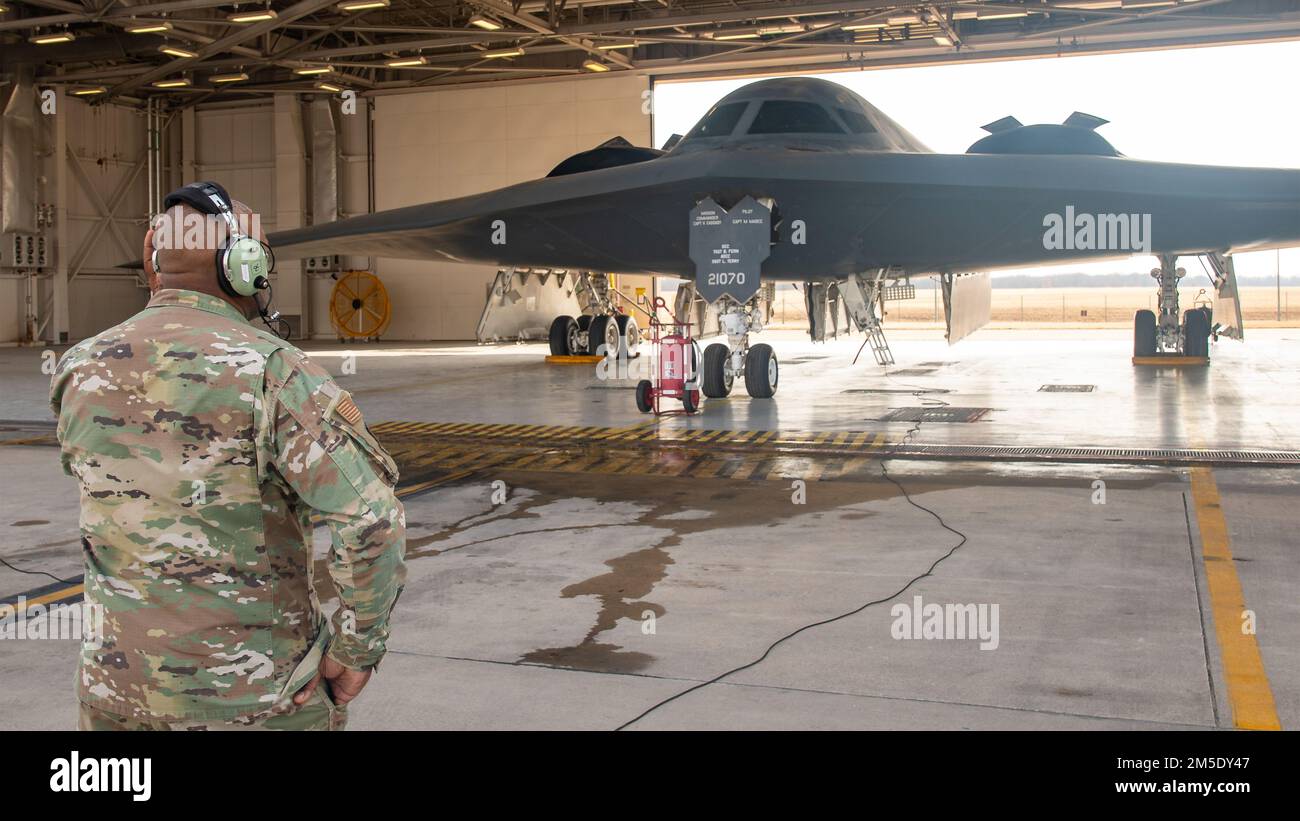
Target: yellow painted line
[(416, 488), (709, 467), (526, 462), (57, 595), (852, 466), (747, 467), (31, 440), (437, 454), (616, 464), (858, 438), (458, 428), (1249, 693), (766, 437)]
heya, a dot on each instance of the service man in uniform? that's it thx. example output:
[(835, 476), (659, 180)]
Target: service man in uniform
[(203, 446)]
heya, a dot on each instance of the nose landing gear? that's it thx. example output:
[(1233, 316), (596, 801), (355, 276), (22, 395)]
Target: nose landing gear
[(1162, 334), (723, 363)]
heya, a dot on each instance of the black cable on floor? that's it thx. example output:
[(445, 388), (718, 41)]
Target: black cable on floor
[(962, 539), (37, 573)]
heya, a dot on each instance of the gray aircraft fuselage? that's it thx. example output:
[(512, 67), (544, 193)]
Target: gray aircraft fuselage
[(866, 201)]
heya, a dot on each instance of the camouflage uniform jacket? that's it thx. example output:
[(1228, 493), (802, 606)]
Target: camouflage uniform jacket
[(203, 446)]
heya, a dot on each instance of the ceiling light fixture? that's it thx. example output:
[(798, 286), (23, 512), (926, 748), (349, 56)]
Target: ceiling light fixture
[(503, 53), (175, 82), (330, 87), (307, 71), (53, 37), (595, 65), (177, 51), (237, 77), (789, 28), (612, 46), (486, 23), (252, 15), (362, 5), (89, 91), (148, 27), (406, 62)]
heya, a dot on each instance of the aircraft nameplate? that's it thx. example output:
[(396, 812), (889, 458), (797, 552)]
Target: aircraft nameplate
[(728, 247)]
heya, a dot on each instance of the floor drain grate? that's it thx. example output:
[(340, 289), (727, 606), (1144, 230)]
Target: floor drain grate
[(1067, 388), (912, 372), (799, 360), (948, 414), (895, 390)]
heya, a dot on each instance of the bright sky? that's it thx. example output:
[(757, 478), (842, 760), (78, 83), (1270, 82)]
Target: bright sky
[(1227, 105)]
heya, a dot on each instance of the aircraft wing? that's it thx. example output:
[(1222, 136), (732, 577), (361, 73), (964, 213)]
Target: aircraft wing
[(596, 220)]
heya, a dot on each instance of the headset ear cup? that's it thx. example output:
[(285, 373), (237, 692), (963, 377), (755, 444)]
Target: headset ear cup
[(244, 266)]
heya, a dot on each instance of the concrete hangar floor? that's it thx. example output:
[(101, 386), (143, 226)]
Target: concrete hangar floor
[(1136, 532)]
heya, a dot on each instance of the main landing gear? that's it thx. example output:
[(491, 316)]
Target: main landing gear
[(1163, 334), (757, 365), (602, 329)]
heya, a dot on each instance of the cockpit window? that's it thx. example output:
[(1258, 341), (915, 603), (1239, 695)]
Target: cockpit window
[(719, 122), (793, 117), (855, 120)]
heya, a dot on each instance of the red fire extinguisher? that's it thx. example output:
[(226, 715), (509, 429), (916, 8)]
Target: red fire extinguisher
[(677, 375)]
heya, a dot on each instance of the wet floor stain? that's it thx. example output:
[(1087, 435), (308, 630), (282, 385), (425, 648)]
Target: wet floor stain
[(621, 593), (625, 591), (29, 522)]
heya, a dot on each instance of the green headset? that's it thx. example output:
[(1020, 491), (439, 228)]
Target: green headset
[(243, 262)]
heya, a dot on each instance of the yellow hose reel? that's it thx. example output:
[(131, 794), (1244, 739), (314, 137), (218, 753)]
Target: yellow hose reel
[(359, 306)]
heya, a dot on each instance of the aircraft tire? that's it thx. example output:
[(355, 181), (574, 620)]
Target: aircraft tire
[(630, 333), (1144, 333), (717, 380), (603, 331), (562, 336), (761, 372), (1196, 333)]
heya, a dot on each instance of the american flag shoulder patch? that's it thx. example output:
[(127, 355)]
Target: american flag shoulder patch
[(348, 410)]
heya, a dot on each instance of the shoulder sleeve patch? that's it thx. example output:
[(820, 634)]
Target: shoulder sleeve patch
[(348, 410)]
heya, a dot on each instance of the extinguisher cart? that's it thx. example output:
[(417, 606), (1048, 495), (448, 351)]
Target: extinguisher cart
[(676, 372)]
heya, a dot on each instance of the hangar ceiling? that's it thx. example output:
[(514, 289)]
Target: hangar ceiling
[(192, 51)]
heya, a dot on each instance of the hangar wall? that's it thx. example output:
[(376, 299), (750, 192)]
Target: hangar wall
[(91, 161), (426, 146), (451, 143)]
